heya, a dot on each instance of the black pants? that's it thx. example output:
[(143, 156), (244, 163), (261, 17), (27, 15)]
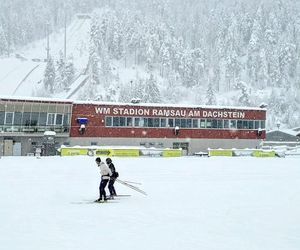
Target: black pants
[(102, 186), (111, 187)]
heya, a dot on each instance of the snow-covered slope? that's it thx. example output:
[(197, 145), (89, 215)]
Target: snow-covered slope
[(22, 74)]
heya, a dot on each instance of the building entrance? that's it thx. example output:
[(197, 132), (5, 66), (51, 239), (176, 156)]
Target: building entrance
[(183, 145)]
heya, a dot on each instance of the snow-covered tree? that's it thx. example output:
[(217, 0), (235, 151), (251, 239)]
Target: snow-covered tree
[(210, 95), (70, 71), (243, 99), (61, 80), (3, 42), (152, 93), (49, 76)]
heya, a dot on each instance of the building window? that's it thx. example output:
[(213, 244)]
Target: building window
[(195, 123), (150, 123), (239, 124), (220, 123), (163, 122), (34, 119), (170, 122), (122, 121), (93, 143), (2, 116), (51, 119), (262, 124), (256, 124), (232, 124), (188, 123), (18, 118), (59, 119), (116, 121), (42, 119), (129, 122), (26, 119), (183, 123), (245, 124), (214, 124), (202, 123), (136, 122), (66, 121), (108, 121), (177, 123), (156, 122), (226, 124), (9, 118), (208, 123), (250, 124)]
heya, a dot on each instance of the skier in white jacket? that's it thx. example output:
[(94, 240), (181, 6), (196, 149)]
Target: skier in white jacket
[(105, 175)]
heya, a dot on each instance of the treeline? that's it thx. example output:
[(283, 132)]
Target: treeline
[(196, 51)]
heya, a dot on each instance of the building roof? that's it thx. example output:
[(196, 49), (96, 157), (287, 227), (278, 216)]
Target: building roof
[(35, 99), (165, 105), (285, 131)]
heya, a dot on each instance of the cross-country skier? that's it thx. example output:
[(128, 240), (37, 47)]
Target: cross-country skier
[(105, 174), (113, 178)]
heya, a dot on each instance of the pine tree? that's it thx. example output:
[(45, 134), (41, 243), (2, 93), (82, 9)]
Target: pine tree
[(210, 95), (3, 42), (152, 93), (49, 76), (61, 80), (70, 72), (244, 98)]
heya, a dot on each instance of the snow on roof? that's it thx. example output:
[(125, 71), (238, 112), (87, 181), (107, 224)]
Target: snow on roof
[(36, 99), (167, 105), (296, 129), (286, 131)]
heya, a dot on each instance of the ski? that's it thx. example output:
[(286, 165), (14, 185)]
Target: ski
[(131, 186), (93, 202)]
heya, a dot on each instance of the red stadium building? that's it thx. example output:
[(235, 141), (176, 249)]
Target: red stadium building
[(193, 128), (25, 123)]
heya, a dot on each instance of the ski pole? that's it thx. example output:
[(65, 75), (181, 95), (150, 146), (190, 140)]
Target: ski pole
[(132, 187), (132, 182)]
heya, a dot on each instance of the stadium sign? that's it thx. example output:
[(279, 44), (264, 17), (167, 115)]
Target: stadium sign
[(169, 112)]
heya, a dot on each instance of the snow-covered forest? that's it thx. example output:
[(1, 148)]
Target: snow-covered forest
[(215, 52)]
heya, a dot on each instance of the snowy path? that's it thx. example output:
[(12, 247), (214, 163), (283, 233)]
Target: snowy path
[(192, 203)]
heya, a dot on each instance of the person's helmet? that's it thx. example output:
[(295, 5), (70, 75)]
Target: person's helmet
[(108, 161), (98, 159)]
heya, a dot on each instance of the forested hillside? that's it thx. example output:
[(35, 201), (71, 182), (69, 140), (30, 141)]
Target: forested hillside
[(195, 51)]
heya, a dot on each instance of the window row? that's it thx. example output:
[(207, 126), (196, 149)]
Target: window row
[(31, 119), (115, 121)]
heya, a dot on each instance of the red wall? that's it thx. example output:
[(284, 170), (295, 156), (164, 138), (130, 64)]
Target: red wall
[(96, 128)]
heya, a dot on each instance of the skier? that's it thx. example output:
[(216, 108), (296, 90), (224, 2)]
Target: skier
[(105, 174), (113, 178)]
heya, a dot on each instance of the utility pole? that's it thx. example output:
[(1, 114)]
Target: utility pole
[(65, 38), (48, 43)]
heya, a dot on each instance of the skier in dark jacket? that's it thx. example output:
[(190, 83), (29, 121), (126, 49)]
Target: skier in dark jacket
[(113, 178)]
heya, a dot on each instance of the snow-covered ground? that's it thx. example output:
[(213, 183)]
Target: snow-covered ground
[(192, 203)]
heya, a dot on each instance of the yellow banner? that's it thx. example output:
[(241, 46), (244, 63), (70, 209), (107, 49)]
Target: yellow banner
[(73, 151), (172, 153), (261, 153), (220, 152)]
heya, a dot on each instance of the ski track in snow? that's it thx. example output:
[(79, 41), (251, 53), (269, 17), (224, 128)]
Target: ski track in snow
[(192, 203)]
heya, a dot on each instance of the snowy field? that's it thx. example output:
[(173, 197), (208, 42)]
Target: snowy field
[(192, 203)]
